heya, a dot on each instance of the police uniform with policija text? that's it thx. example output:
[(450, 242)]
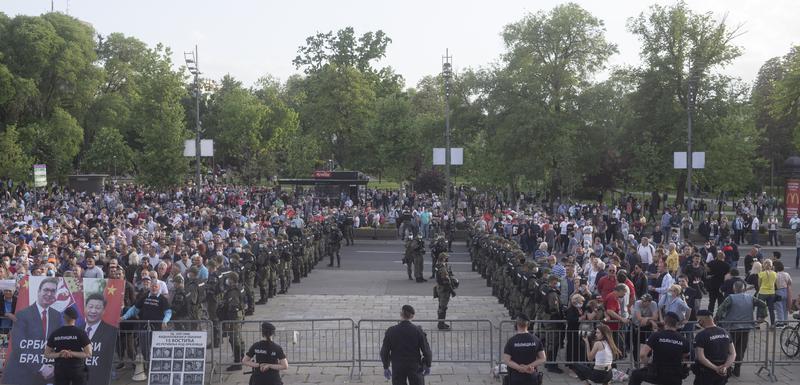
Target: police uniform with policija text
[(69, 370), (266, 352), (716, 343), (523, 348), (666, 367)]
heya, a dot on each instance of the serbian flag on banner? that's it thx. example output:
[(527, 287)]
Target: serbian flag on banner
[(70, 294)]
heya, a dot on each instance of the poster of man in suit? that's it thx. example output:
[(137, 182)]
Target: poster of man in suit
[(40, 303)]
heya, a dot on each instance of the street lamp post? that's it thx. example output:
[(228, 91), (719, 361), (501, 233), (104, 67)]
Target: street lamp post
[(194, 69), (447, 74)]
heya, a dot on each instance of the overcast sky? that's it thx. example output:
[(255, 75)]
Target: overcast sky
[(251, 38)]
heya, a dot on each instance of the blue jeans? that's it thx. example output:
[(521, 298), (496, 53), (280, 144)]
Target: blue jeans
[(753, 237), (781, 313), (797, 259)]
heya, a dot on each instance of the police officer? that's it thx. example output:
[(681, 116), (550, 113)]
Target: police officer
[(263, 267), (334, 243), (438, 247), (212, 285), (408, 256), (522, 354), (418, 258), (297, 259), (445, 288), (233, 310), (714, 352), (266, 358), (669, 349), (402, 345), (248, 261), (195, 293), (180, 302), (552, 310), (69, 346)]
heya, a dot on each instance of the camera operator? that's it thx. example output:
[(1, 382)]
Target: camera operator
[(603, 351)]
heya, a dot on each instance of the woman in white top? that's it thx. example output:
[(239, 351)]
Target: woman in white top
[(603, 351)]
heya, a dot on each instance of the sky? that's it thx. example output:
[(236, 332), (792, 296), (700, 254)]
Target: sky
[(250, 38)]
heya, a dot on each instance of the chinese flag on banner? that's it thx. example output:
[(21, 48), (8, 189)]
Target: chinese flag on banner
[(115, 288)]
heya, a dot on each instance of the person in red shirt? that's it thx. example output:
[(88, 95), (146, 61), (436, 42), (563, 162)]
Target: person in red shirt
[(611, 302), (607, 284)]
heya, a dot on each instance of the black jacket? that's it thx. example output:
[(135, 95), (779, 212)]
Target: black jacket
[(403, 344)]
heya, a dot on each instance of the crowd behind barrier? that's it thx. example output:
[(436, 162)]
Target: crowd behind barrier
[(218, 251)]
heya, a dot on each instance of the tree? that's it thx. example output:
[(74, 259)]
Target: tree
[(55, 142), (237, 117), (786, 97), (158, 116), (108, 153), (14, 163), (342, 49), (679, 47), (532, 103)]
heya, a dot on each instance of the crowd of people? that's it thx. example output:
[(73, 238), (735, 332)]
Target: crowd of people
[(609, 273), (217, 252)]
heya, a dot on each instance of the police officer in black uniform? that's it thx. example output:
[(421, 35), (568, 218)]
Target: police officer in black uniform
[(70, 347), (266, 358), (401, 347), (669, 349), (714, 352), (523, 354)]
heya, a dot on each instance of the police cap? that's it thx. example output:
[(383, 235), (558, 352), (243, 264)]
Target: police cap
[(267, 329)]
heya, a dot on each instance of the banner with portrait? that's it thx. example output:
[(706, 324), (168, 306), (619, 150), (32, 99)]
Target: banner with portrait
[(40, 303)]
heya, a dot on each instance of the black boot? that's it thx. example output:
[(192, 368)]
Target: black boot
[(441, 325), (262, 301), (410, 278)]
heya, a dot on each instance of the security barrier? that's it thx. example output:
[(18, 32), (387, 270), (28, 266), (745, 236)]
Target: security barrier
[(786, 346), (343, 341), (468, 341), (304, 341)]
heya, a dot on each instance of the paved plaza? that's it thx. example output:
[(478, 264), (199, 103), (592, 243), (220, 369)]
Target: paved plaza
[(372, 285)]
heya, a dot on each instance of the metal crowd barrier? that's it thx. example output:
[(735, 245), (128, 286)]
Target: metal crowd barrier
[(304, 341), (468, 341), (786, 346), (134, 339)]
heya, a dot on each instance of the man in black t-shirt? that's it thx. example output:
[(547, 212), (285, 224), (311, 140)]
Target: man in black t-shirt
[(266, 358), (669, 348), (522, 354), (714, 352), (69, 346)]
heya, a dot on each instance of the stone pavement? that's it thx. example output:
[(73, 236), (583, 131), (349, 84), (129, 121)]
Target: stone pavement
[(377, 294)]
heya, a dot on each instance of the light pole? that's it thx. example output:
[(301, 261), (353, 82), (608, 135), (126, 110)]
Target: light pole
[(194, 69), (691, 92), (447, 74)]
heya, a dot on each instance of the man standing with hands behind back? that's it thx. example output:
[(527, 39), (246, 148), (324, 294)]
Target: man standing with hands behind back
[(401, 347), (522, 354), (70, 347)]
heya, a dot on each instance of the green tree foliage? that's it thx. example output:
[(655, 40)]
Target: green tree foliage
[(533, 99), (159, 116), (108, 153), (785, 102), (680, 48), (54, 142), (14, 163)]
